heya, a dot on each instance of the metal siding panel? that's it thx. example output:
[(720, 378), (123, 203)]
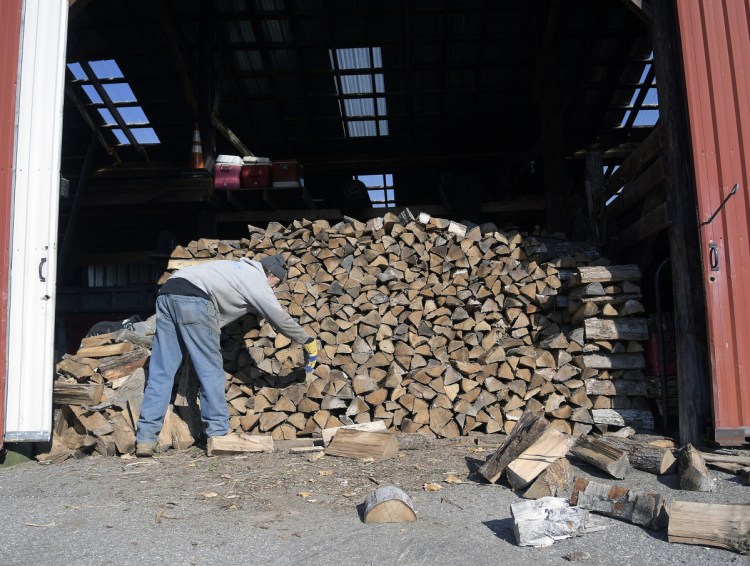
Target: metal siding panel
[(31, 307), (716, 54), (10, 30)]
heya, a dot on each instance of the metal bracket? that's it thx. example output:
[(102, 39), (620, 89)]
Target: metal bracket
[(726, 198)]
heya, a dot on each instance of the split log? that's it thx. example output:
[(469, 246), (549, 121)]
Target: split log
[(554, 481), (550, 447), (238, 443), (601, 455), (77, 393), (527, 431), (329, 433), (356, 444), (726, 458), (105, 351), (389, 504), (543, 521), (638, 418), (93, 421), (601, 274), (645, 509), (616, 329), (614, 361), (694, 475), (644, 456), (175, 432), (115, 367), (70, 366), (123, 435), (710, 524)]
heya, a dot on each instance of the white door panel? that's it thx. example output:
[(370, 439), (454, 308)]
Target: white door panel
[(33, 261)]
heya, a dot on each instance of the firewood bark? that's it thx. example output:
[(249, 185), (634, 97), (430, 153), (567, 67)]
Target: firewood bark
[(645, 509), (77, 393), (601, 455), (710, 524), (328, 434), (121, 365), (550, 447), (237, 443), (356, 444), (388, 504), (553, 482), (543, 521), (644, 456), (528, 430), (694, 475)]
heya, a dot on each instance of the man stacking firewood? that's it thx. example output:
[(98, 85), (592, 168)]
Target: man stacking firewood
[(191, 308)]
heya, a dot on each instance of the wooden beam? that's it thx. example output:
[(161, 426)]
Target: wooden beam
[(555, 187), (594, 192), (230, 136), (693, 389), (206, 34), (75, 7), (637, 189), (641, 8), (175, 54), (646, 226), (636, 162)]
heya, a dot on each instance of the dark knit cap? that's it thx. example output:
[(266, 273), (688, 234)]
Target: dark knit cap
[(275, 264)]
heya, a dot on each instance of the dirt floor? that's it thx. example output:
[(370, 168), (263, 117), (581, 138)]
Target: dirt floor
[(281, 508)]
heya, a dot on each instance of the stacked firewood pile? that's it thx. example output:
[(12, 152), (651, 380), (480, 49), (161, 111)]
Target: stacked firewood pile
[(424, 325)]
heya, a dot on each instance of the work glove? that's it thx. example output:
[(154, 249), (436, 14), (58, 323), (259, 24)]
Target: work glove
[(311, 356)]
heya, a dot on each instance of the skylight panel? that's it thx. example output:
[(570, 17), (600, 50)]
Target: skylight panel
[(121, 137), (119, 108), (643, 95), (133, 115), (120, 92), (77, 71), (353, 88), (107, 69), (145, 135), (106, 115), (92, 94)]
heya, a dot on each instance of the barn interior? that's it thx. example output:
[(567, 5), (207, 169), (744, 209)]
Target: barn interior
[(504, 114)]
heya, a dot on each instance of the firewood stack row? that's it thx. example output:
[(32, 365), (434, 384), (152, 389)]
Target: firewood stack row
[(606, 300), (429, 327)]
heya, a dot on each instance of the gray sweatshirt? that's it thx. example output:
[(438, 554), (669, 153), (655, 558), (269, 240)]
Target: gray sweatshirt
[(241, 287)]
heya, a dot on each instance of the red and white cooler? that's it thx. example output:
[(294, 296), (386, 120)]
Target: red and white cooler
[(227, 172), (227, 176), (287, 173), (256, 172)]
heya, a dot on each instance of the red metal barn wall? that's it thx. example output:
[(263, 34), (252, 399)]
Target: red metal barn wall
[(10, 28), (715, 36)]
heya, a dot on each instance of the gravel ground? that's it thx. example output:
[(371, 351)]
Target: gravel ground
[(282, 508)]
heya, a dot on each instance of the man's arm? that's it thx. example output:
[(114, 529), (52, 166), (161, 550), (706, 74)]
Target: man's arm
[(269, 308)]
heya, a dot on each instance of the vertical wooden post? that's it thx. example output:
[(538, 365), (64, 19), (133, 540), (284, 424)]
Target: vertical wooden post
[(693, 375), (555, 186), (205, 81), (594, 192)]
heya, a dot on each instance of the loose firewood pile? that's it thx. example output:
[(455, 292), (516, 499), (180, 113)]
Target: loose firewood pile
[(427, 326), (534, 458)]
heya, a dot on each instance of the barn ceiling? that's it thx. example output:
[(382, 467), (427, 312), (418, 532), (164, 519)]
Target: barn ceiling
[(416, 89)]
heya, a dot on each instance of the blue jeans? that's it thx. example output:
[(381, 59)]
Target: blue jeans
[(184, 324)]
